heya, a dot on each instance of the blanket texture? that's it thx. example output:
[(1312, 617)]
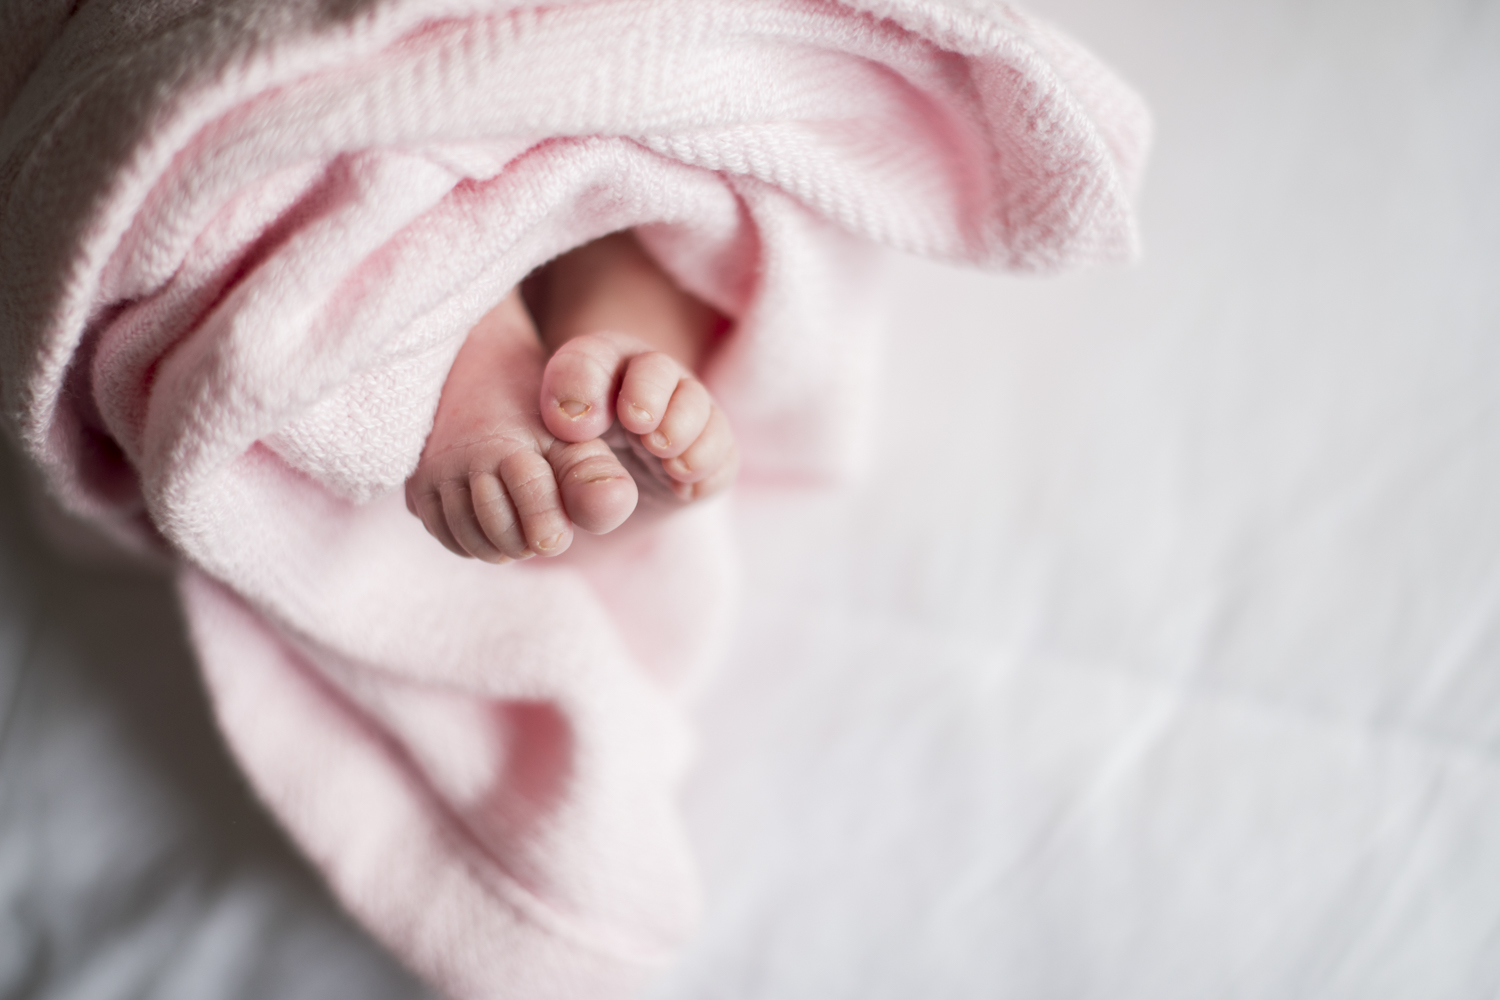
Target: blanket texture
[(240, 245)]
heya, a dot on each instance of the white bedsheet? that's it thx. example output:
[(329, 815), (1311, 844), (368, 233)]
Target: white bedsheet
[(1157, 657)]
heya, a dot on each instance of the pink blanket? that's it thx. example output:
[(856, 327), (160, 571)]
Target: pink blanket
[(240, 245)]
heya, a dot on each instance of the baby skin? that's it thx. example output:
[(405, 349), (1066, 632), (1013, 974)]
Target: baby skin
[(517, 461)]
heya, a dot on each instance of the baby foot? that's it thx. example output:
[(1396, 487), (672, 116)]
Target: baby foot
[(625, 341), (493, 483), (595, 379)]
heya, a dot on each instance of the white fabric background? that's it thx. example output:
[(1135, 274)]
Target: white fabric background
[(1157, 657)]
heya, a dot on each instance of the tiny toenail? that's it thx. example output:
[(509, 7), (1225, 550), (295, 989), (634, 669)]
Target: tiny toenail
[(574, 408), (639, 412), (658, 440), (548, 544)]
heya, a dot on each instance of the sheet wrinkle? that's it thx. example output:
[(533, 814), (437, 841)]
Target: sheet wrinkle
[(1384, 730), (1372, 915), (30, 618), (1198, 684)]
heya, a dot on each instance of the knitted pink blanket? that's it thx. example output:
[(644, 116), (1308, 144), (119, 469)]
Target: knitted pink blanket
[(240, 245)]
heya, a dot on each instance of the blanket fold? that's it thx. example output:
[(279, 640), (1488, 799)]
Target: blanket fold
[(240, 245)]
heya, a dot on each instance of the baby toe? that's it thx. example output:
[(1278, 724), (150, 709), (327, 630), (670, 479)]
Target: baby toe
[(706, 454), (597, 491), (458, 512), (686, 417), (497, 517), (646, 391), (721, 479), (533, 493), (578, 385), (427, 504)]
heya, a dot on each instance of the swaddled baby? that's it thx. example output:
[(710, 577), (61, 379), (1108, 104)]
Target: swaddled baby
[(517, 459), (250, 255)]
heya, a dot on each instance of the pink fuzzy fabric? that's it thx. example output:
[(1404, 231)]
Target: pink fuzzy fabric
[(240, 246)]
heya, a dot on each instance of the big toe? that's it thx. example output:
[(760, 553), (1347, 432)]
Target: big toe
[(597, 492), (579, 385)]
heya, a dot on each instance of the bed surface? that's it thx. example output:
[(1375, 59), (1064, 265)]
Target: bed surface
[(1157, 656)]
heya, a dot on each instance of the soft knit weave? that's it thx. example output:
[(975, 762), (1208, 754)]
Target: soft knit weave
[(241, 243)]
